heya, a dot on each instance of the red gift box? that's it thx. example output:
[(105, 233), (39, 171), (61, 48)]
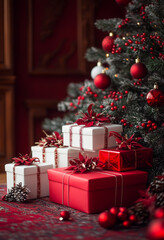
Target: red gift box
[(124, 160), (95, 191)]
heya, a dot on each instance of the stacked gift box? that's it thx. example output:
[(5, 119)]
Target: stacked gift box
[(99, 189)]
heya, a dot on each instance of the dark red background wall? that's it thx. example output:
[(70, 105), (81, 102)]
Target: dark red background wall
[(44, 86)]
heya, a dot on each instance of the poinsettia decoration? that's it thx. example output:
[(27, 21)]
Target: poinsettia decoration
[(83, 164), (92, 118), (54, 140), (24, 160), (125, 143)]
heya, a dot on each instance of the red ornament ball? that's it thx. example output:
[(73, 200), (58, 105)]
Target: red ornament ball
[(156, 230), (159, 213), (138, 70), (102, 81), (123, 216), (107, 43), (133, 218), (64, 215), (126, 224), (155, 98), (107, 219), (114, 210), (123, 2)]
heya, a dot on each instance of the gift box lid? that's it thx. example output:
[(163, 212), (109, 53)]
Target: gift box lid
[(95, 130), (97, 180), (28, 170), (62, 150), (119, 151)]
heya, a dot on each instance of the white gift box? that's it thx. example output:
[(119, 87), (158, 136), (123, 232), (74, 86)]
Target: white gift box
[(64, 155), (27, 175), (93, 138)]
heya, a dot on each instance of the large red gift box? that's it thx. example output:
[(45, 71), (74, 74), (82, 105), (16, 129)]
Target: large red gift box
[(124, 160), (95, 191)]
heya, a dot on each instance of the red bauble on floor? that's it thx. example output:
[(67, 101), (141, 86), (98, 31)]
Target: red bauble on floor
[(156, 230), (107, 219), (102, 81)]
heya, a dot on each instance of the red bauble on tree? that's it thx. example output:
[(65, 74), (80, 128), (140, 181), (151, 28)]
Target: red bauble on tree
[(123, 2), (102, 81), (107, 219), (156, 230), (108, 42), (138, 70), (155, 98)]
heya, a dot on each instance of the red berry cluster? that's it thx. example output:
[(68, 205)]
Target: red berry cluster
[(135, 40), (116, 49), (142, 12), (125, 123), (124, 22), (137, 82), (115, 215), (72, 105), (149, 125), (116, 96)]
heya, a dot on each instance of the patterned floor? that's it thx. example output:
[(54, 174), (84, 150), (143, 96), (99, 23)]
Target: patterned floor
[(39, 220)]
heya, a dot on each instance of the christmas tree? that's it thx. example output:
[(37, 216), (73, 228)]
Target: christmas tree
[(128, 81)]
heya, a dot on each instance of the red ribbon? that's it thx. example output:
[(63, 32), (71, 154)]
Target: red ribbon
[(81, 136), (124, 143), (115, 175), (25, 160), (54, 140), (92, 118)]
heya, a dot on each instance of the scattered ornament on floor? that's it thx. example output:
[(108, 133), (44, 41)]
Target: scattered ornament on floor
[(159, 213), (18, 193), (123, 2), (107, 43), (156, 230), (107, 219), (64, 216), (155, 97), (138, 70), (102, 81), (117, 216), (96, 70)]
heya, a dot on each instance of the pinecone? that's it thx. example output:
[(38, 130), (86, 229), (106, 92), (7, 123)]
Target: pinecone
[(18, 193), (159, 200), (156, 188), (141, 213)]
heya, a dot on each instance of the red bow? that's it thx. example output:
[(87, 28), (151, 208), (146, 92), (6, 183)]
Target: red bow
[(24, 160), (92, 118), (83, 164), (124, 143), (54, 140)]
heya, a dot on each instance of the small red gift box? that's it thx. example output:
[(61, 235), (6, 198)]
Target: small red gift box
[(95, 191), (124, 160)]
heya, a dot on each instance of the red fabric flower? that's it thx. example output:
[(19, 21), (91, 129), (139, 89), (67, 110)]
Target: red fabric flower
[(54, 140), (83, 164), (92, 118), (124, 143), (24, 160)]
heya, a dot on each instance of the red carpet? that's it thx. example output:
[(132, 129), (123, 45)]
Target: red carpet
[(39, 220)]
